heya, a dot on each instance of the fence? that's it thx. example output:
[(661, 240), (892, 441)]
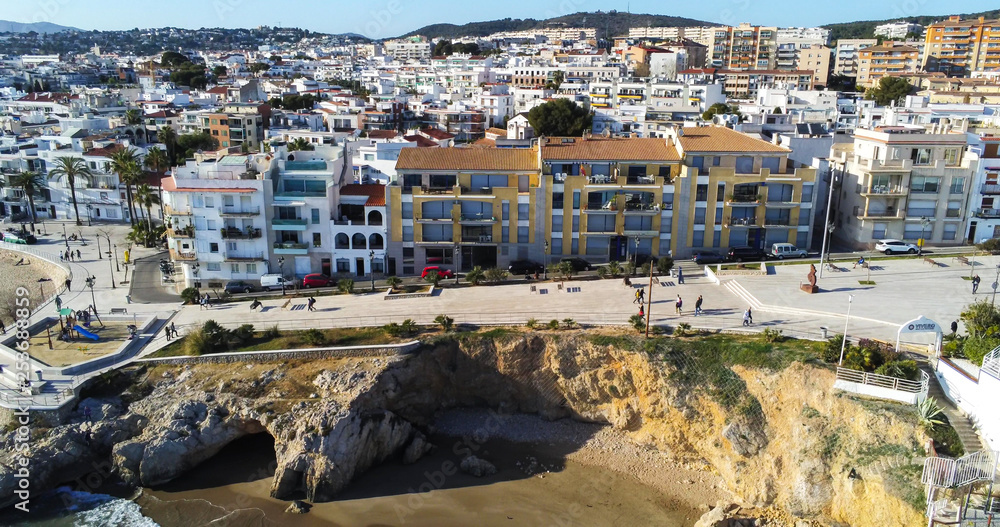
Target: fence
[(306, 353), (991, 363), (882, 386), (59, 288), (946, 472)]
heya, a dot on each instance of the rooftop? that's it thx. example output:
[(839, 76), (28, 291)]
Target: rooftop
[(721, 139), (609, 149), (468, 159), (375, 193)]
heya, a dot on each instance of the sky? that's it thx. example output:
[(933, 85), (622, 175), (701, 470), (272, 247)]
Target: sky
[(389, 18)]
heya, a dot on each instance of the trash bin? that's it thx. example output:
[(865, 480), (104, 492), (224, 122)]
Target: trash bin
[(825, 331)]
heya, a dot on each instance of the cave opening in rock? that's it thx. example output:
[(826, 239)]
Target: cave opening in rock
[(246, 459)]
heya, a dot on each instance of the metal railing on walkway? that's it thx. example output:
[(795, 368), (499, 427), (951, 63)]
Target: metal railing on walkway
[(991, 363), (943, 472), (884, 381)]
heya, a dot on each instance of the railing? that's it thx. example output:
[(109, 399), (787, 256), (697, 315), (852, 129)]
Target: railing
[(477, 190), (186, 232), (477, 217), (740, 222), (170, 211), (297, 221), (290, 245), (646, 207), (249, 211), (602, 180), (989, 188), (777, 222), (885, 189), (951, 473), (234, 256), (743, 198), (987, 213), (883, 381), (436, 190), (991, 363), (237, 234)]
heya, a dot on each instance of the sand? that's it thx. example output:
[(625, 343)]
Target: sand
[(26, 275)]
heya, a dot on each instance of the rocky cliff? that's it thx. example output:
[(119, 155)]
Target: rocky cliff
[(779, 438)]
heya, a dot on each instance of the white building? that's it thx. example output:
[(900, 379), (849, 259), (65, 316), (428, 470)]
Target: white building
[(898, 30), (359, 231)]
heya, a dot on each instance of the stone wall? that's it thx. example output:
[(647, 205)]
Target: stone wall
[(265, 356)]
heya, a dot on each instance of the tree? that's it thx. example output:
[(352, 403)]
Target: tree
[(71, 168), (981, 319), (31, 183), (889, 90), (664, 265), (558, 77), (433, 277), (219, 71), (132, 117), (188, 144), (146, 197), (168, 137), (445, 321), (393, 282), (565, 270), (259, 67), (475, 276), (125, 163), (172, 59), (156, 160), (561, 117), (299, 144), (642, 70), (719, 108)]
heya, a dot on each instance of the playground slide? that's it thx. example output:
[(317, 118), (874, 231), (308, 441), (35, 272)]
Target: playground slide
[(86, 333)]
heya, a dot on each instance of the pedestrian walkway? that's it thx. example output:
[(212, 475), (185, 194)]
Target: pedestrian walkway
[(958, 420)]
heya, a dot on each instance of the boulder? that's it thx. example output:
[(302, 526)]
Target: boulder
[(416, 449), (477, 467), (298, 507)]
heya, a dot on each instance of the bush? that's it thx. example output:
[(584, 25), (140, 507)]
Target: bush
[(393, 329), (345, 285), (569, 323), (531, 323), (831, 352), (565, 270), (638, 322), (445, 321), (190, 295), (553, 324), (946, 440), (976, 348), (475, 276), (772, 335), (602, 272), (314, 337), (645, 269), (244, 333), (272, 332), (495, 275), (901, 369), (409, 327), (629, 268), (393, 282), (664, 265), (682, 329), (433, 278), (992, 245), (615, 269)]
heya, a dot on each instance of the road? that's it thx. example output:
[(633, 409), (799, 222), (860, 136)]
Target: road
[(146, 284)]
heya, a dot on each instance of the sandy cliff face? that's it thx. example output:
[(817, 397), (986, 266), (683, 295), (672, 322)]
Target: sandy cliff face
[(784, 440)]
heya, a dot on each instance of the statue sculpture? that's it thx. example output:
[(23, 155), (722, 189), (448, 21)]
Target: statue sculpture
[(811, 286)]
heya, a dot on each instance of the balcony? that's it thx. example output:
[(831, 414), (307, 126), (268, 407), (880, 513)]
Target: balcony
[(170, 211), (777, 222), (291, 248), (743, 199), (782, 204), (244, 257), (248, 211), (482, 191), (437, 190), (477, 218), (889, 214), (478, 239), (183, 232), (884, 190), (179, 256), (987, 213), (289, 224), (990, 189), (602, 180), (641, 180), (233, 233), (641, 208), (739, 222), (425, 219)]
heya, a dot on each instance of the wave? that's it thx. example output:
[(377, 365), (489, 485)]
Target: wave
[(64, 507)]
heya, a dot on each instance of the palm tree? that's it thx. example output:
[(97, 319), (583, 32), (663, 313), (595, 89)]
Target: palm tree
[(125, 163), (168, 137), (145, 197), (132, 117), (71, 168), (299, 144), (31, 183), (156, 160)]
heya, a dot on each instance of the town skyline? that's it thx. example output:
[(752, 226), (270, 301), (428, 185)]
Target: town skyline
[(393, 18)]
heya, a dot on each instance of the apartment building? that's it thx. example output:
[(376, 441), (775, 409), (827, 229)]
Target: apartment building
[(959, 47), (898, 30), (701, 35), (888, 58), (466, 124), (744, 47), (847, 55), (904, 182), (743, 84), (234, 130), (360, 232), (984, 200), (413, 48)]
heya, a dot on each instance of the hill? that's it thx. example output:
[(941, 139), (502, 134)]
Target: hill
[(866, 28), (7, 26), (614, 23)]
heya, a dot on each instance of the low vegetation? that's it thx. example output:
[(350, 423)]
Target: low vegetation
[(213, 338)]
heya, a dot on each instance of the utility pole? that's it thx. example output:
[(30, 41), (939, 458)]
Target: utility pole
[(827, 231), (649, 298)]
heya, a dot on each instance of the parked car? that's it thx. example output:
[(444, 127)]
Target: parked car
[(895, 246), (787, 250), (522, 267), (708, 257), (316, 280), (275, 281), (579, 264), (239, 286), (641, 259), (746, 254), (442, 272)]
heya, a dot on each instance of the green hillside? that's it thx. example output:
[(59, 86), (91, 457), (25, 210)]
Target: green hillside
[(615, 23), (866, 28)]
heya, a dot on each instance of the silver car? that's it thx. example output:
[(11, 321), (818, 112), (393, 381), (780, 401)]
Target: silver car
[(895, 246)]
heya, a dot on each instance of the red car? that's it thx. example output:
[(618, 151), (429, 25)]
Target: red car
[(316, 280), (443, 273)]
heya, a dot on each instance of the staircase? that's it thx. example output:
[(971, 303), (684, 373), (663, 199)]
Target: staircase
[(971, 441)]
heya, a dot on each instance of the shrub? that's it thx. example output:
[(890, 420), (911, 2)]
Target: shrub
[(976, 348), (992, 245), (615, 269), (553, 324), (682, 329), (314, 337), (345, 285), (981, 319), (569, 323), (901, 369), (409, 327), (565, 270), (433, 278), (772, 335), (638, 322), (495, 275), (445, 321), (531, 323), (475, 276), (272, 332), (946, 440), (645, 269), (664, 265), (602, 272), (393, 282), (190, 295), (629, 268), (393, 329), (831, 352), (929, 414), (244, 333)]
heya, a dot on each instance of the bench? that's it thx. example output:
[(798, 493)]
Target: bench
[(932, 262), (286, 304), (119, 311), (534, 289), (962, 260)]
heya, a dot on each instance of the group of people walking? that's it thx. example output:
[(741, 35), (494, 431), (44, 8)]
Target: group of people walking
[(640, 298)]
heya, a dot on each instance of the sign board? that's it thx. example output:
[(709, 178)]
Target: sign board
[(920, 324)]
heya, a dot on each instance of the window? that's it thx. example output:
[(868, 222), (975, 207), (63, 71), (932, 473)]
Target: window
[(213, 247), (317, 239), (701, 193), (957, 185), (717, 239), (228, 201), (576, 201), (213, 266), (522, 235), (315, 216), (209, 202), (878, 230), (230, 246), (557, 200), (950, 231), (505, 234), (921, 156), (924, 184), (557, 222), (954, 209), (912, 231), (720, 193), (406, 210), (505, 209), (716, 161), (575, 246), (251, 268), (952, 156), (439, 256), (234, 267), (343, 265), (576, 224), (807, 193), (919, 208), (744, 165), (698, 239), (522, 211), (718, 215), (407, 233), (771, 163), (668, 201)]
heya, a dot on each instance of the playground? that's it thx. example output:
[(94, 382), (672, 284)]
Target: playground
[(76, 345)]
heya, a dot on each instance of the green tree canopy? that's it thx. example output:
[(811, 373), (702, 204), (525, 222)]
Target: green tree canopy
[(259, 67), (219, 71), (561, 117), (188, 144), (172, 59), (889, 89), (720, 108), (295, 102)]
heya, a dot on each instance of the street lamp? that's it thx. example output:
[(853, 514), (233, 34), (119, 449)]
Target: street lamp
[(41, 291), (371, 267), (65, 238), (90, 283), (827, 227), (90, 209), (924, 222), (281, 271), (635, 255), (995, 284), (99, 257), (843, 343), (545, 267)]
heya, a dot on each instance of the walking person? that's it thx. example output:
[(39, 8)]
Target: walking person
[(975, 283), (697, 306), (78, 255), (312, 304), (166, 331), (201, 303), (68, 283), (642, 294), (678, 305), (750, 314), (680, 275), (642, 312), (636, 301), (746, 317), (173, 329), (255, 304)]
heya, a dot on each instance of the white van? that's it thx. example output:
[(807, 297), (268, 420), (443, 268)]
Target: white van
[(275, 281), (787, 250)]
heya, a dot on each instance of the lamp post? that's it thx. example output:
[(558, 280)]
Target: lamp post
[(371, 267), (545, 267), (924, 222), (281, 271), (635, 255), (90, 209), (65, 238), (111, 269), (41, 291), (90, 283), (827, 227), (99, 257), (996, 282), (843, 343), (115, 250)]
